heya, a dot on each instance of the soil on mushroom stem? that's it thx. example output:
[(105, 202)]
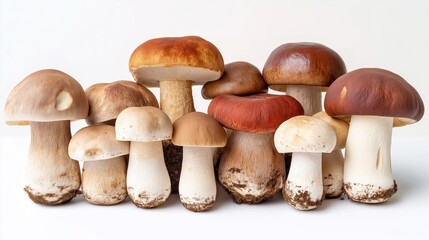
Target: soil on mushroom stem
[(369, 196), (173, 160), (42, 198)]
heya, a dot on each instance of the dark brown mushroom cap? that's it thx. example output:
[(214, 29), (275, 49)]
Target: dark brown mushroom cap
[(303, 64), (255, 113), (239, 78), (376, 92)]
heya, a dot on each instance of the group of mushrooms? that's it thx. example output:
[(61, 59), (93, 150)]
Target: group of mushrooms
[(134, 147)]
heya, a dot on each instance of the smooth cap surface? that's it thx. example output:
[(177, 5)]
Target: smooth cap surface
[(341, 128)]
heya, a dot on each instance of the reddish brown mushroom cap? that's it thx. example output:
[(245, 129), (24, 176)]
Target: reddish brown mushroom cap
[(256, 113), (376, 92)]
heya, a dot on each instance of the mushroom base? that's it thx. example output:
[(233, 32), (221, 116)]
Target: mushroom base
[(51, 198), (299, 198), (197, 204), (145, 200), (173, 160), (367, 193)]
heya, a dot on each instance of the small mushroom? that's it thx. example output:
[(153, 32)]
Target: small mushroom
[(307, 138), (374, 101), (47, 100), (104, 168), (199, 134), (148, 183)]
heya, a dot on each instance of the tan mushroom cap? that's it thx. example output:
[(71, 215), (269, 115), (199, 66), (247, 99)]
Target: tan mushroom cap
[(45, 96), (107, 100), (97, 142), (143, 124), (176, 58), (340, 127), (305, 134), (198, 129), (239, 78)]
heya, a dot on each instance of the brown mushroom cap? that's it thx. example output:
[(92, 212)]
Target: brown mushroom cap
[(107, 100), (198, 130), (255, 113), (239, 78), (176, 58), (376, 92), (45, 96), (303, 64), (340, 127)]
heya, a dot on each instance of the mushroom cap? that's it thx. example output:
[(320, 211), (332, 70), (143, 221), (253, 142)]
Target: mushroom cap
[(239, 78), (143, 124), (375, 92), (304, 134), (107, 100), (302, 63), (341, 128), (176, 58), (257, 113), (96, 142), (197, 129), (45, 96)]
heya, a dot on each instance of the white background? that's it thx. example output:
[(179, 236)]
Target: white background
[(93, 40)]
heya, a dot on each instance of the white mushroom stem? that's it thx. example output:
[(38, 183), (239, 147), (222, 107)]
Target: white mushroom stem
[(367, 170), (304, 185), (52, 177), (104, 181), (310, 97), (148, 182), (332, 170), (197, 186), (176, 98)]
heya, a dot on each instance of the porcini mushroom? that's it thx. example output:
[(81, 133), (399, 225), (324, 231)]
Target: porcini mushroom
[(47, 100), (374, 101), (307, 138), (104, 168), (199, 134), (251, 169), (148, 183)]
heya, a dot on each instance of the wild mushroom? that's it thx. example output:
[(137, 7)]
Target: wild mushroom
[(148, 183), (373, 100), (251, 169), (104, 168), (175, 64), (47, 100), (307, 138), (199, 134), (333, 162)]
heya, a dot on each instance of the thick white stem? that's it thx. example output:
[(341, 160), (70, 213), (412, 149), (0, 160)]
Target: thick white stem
[(148, 182), (309, 97), (367, 170), (304, 186), (333, 169), (197, 186)]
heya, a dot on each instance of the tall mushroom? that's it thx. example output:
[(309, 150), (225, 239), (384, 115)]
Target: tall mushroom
[(199, 134), (251, 169), (104, 169), (373, 100), (175, 64), (47, 100), (148, 183)]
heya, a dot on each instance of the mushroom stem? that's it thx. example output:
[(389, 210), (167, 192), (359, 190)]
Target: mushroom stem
[(197, 186), (309, 97), (332, 170), (367, 170), (176, 98), (304, 186), (251, 169), (104, 181), (148, 183), (52, 176)]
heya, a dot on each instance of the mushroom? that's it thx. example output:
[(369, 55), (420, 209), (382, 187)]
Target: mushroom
[(303, 70), (199, 134), (148, 183), (333, 162), (104, 169), (175, 64), (251, 169), (373, 100), (307, 138), (47, 100)]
